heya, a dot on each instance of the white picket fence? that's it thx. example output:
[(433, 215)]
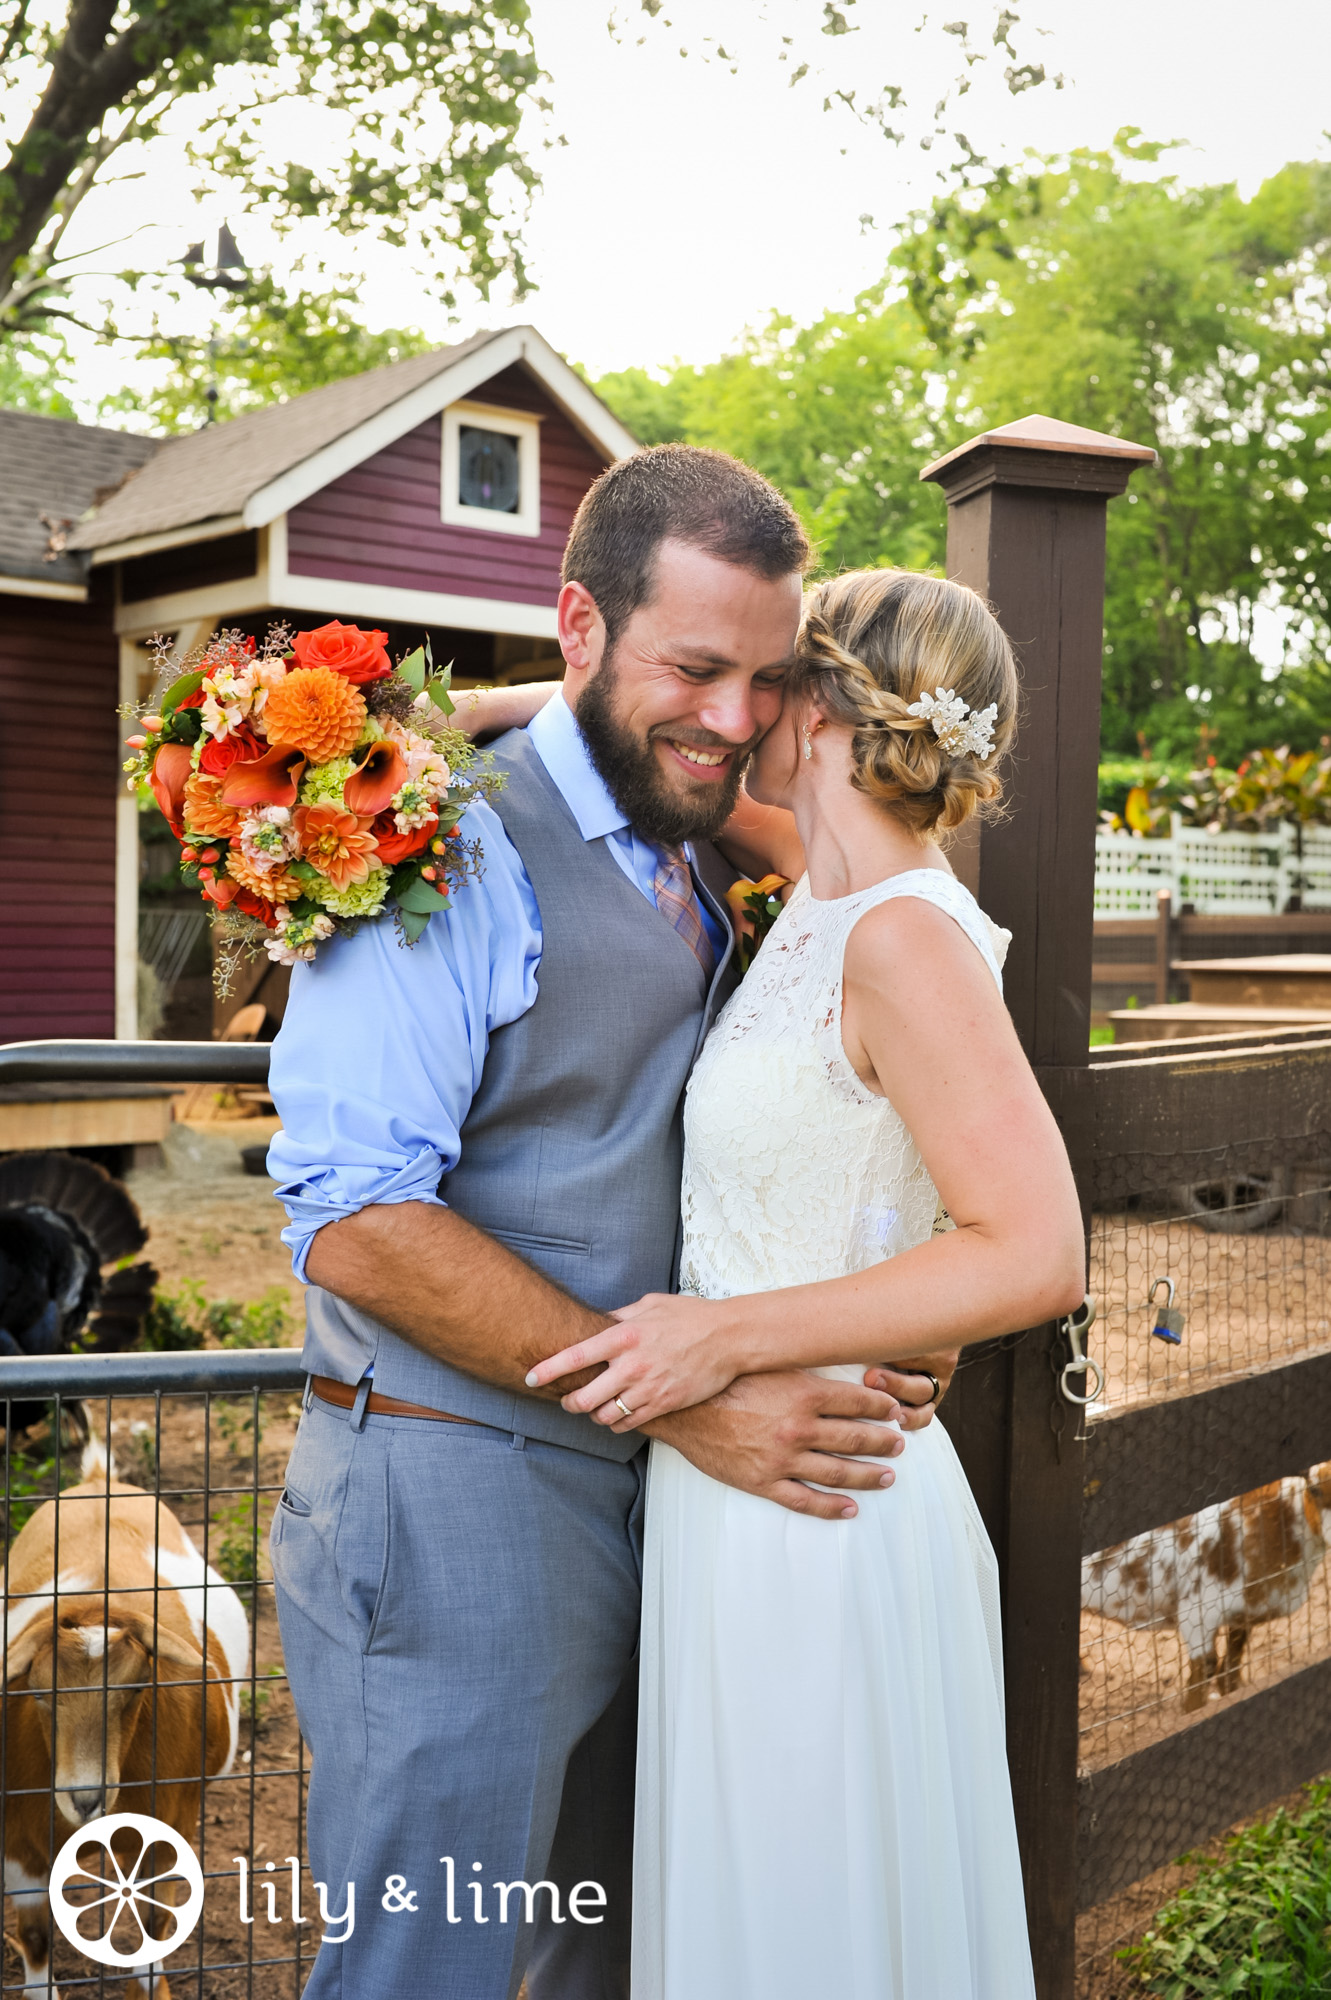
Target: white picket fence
[(1243, 874)]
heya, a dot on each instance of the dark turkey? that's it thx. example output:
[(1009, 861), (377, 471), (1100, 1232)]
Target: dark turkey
[(62, 1220)]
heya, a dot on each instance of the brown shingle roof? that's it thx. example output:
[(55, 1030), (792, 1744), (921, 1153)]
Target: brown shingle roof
[(53, 466), (212, 473)]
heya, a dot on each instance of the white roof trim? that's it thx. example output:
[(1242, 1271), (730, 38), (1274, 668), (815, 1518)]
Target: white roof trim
[(36, 586), (425, 607), (170, 538), (518, 344)]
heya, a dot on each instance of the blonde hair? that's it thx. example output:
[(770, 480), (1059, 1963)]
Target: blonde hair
[(875, 640)]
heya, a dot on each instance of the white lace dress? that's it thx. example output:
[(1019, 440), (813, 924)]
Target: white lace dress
[(823, 1802)]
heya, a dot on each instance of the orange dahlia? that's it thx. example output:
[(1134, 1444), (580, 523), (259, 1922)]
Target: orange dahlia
[(337, 843), (205, 812), (317, 711), (279, 887)]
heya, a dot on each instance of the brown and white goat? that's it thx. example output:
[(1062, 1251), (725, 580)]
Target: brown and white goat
[(119, 1661), (1236, 1564)]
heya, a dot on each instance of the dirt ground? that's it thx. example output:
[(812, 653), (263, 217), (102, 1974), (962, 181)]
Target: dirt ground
[(210, 1220)]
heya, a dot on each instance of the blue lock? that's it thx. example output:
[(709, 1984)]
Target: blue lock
[(1168, 1320)]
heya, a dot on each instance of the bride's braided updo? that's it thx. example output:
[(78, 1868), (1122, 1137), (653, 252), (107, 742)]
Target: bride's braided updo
[(871, 644)]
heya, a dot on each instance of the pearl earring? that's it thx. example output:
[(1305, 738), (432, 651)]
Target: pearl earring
[(808, 747)]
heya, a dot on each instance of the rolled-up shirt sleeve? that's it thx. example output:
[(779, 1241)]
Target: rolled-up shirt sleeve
[(382, 1046)]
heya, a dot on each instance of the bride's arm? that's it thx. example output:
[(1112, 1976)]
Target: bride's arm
[(482, 712), (924, 1024)]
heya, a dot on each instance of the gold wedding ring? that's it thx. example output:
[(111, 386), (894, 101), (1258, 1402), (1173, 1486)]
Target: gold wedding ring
[(620, 1404)]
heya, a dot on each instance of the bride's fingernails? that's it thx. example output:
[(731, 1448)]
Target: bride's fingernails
[(848, 1513), (887, 1479), (533, 1380)]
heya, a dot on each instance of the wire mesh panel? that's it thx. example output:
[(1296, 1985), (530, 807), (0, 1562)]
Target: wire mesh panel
[(1211, 1265), (143, 1675)]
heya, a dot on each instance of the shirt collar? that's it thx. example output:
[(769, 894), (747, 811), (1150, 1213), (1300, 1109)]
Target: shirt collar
[(562, 748)]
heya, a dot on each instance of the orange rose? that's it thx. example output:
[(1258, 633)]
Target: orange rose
[(394, 846), (358, 656), (336, 843)]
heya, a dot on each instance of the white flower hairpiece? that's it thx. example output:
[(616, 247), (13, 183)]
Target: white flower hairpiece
[(961, 731)]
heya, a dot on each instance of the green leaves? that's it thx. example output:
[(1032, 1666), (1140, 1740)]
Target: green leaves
[(417, 670), (179, 691)]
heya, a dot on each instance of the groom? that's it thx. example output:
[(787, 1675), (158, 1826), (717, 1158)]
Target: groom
[(481, 1149)]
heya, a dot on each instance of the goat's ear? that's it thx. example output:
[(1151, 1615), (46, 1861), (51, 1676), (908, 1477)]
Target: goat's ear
[(159, 1639), (23, 1651)]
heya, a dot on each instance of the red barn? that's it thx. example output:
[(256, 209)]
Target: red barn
[(430, 497)]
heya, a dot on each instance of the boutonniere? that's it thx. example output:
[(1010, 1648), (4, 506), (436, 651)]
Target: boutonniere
[(755, 907)]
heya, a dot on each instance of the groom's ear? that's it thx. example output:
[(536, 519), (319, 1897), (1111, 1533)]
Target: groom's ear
[(581, 629)]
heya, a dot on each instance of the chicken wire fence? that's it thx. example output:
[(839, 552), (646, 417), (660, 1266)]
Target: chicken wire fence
[(144, 1676), (1210, 1267)]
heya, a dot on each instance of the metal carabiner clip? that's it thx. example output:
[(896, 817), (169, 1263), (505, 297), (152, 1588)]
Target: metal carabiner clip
[(1076, 1326)]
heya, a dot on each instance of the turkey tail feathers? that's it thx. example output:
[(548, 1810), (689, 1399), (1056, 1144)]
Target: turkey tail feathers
[(86, 1193), (127, 1297)]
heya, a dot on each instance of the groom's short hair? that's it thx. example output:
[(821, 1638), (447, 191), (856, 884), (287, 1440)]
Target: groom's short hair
[(676, 492)]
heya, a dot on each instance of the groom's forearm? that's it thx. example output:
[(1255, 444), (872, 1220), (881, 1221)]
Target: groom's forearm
[(452, 1291)]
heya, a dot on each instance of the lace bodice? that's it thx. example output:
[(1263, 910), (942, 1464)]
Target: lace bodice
[(793, 1170)]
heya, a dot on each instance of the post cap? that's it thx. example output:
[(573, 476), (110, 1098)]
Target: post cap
[(1040, 451)]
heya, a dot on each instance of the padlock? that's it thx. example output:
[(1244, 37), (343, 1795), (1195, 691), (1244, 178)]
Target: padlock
[(1168, 1319)]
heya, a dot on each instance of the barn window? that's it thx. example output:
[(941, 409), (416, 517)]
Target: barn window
[(492, 469)]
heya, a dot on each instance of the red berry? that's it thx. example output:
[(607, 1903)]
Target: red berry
[(189, 853), (210, 854), (427, 874)]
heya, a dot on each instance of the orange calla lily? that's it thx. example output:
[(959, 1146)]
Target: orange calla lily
[(381, 772), (270, 780), (170, 774)]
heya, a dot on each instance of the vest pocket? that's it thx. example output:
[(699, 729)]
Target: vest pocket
[(522, 1240)]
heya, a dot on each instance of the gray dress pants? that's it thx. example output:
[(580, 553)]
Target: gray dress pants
[(459, 1610)]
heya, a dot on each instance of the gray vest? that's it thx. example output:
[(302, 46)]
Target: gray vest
[(572, 1148)]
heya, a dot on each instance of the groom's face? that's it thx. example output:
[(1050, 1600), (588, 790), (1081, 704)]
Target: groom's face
[(693, 682)]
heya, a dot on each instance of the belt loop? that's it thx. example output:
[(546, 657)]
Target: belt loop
[(518, 1442), (308, 1397), (363, 1388)]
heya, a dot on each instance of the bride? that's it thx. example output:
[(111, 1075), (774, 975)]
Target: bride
[(823, 1803)]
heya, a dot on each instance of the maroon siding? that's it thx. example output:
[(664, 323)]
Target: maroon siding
[(379, 524), (59, 771)]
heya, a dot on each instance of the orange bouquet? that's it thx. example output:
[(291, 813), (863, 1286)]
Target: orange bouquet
[(312, 785)]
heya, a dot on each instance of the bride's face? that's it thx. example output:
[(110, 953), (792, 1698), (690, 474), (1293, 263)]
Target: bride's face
[(774, 767)]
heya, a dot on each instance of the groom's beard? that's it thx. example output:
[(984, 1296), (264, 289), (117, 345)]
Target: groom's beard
[(661, 812)]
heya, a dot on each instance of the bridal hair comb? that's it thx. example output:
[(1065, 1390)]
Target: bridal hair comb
[(961, 731)]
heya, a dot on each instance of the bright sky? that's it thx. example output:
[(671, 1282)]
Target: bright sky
[(689, 201)]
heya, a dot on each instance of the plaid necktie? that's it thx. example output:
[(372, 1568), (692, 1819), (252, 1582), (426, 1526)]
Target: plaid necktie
[(677, 900)]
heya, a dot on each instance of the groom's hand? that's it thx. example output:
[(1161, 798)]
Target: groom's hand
[(913, 1384), (770, 1434)]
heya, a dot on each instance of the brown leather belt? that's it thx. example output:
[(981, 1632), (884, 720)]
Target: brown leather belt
[(343, 1396)]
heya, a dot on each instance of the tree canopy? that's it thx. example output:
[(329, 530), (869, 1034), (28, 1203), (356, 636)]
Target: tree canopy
[(1101, 290)]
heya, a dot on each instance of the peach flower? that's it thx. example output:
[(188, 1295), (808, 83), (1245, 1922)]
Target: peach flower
[(205, 812), (279, 887), (316, 711), (337, 843)]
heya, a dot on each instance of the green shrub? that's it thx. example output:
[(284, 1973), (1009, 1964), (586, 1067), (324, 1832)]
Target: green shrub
[(264, 1322), (177, 1319), (1256, 1922)]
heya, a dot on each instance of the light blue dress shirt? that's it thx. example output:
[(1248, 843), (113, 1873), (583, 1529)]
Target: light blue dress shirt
[(382, 1047)]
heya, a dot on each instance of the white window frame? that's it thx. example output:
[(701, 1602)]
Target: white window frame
[(513, 423)]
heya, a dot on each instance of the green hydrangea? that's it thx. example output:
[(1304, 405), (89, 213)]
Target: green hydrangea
[(323, 786), (358, 899)]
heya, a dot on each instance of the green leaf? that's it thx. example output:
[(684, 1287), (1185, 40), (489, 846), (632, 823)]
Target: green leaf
[(439, 695), (179, 691), (413, 922), (412, 670), (422, 896)]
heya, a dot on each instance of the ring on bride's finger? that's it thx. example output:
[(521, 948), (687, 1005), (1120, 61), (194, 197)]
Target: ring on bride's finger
[(620, 1404)]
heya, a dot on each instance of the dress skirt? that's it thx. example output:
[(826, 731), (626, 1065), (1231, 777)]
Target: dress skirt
[(823, 1805)]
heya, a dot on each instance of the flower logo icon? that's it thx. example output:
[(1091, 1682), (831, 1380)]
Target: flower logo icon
[(120, 1892)]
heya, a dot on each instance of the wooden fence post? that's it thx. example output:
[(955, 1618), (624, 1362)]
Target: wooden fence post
[(1026, 529)]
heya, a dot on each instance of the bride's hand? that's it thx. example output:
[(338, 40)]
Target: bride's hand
[(664, 1354)]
